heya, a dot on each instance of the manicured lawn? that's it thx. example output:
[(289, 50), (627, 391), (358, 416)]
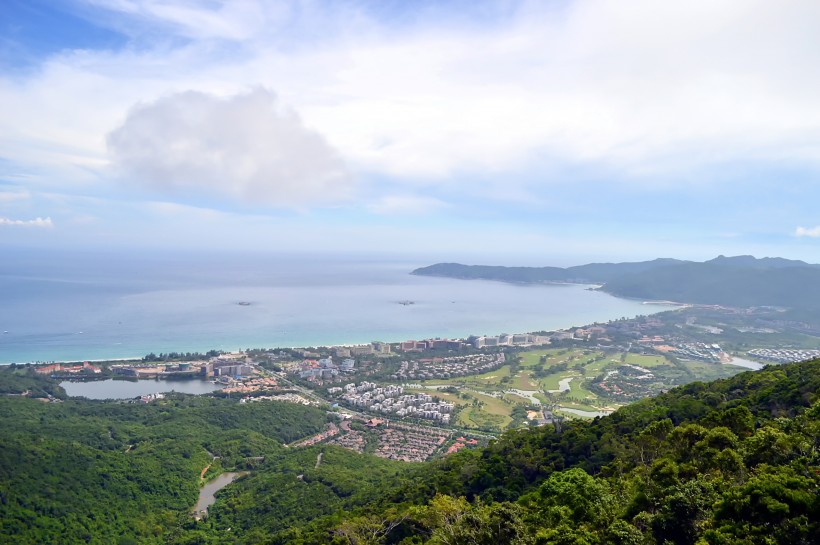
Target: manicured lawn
[(550, 382), (493, 405), (517, 399), (438, 381), (490, 377), (474, 417), (579, 392), (541, 397), (531, 359), (646, 361), (491, 412), (525, 381)]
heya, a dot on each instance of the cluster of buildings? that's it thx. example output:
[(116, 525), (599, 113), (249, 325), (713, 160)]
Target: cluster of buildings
[(410, 443), (505, 339), (330, 431), (784, 355), (454, 366), (627, 382), (461, 443), (392, 399), (636, 329), (430, 344), (235, 365), (397, 441), (259, 384), (374, 348), (323, 369), (350, 438), (151, 397), (711, 352), (60, 369)]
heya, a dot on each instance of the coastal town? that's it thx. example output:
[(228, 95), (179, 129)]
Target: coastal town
[(422, 398)]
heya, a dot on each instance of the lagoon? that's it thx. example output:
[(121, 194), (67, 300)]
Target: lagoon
[(126, 389)]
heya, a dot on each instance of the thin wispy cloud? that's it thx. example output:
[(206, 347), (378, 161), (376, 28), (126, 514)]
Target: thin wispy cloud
[(11, 196), (37, 222), (406, 204)]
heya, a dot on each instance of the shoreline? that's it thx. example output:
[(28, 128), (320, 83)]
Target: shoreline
[(347, 343)]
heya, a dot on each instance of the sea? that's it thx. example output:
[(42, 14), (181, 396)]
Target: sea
[(72, 306)]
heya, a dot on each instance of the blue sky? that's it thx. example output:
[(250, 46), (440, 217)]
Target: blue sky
[(520, 132)]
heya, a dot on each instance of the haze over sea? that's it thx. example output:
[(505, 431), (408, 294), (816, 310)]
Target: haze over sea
[(69, 307)]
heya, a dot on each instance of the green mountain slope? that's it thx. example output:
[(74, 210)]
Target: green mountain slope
[(733, 461), (740, 281), (724, 284), (594, 273), (83, 471)]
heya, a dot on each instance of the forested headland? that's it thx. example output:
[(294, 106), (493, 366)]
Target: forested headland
[(740, 281)]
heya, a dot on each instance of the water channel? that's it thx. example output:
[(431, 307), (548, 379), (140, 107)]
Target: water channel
[(207, 495)]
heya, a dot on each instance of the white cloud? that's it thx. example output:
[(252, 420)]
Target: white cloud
[(228, 20), (176, 210), (245, 147), (37, 222), (650, 89), (406, 204), (11, 196), (813, 232)]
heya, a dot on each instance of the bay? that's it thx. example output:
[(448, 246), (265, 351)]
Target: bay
[(91, 307)]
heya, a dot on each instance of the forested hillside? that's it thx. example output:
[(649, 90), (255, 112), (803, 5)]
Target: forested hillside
[(83, 471), (732, 461)]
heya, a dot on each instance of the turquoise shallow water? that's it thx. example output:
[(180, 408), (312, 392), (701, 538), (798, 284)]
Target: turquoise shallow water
[(96, 307)]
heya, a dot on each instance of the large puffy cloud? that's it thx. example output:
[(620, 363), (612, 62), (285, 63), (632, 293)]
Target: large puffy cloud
[(246, 147)]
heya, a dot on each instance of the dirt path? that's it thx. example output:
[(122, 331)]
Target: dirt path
[(319, 460)]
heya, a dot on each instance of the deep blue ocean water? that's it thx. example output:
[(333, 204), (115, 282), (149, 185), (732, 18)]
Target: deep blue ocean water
[(69, 306)]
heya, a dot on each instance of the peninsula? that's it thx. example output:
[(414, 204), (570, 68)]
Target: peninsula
[(741, 281)]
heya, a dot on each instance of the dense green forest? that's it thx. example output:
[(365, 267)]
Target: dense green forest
[(80, 471), (732, 461)]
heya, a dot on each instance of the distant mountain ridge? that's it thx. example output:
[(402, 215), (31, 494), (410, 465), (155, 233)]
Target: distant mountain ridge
[(740, 281)]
